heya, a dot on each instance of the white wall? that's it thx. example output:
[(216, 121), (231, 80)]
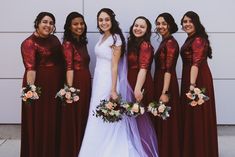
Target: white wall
[(17, 23)]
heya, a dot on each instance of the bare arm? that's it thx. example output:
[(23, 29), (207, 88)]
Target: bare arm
[(115, 61), (193, 77), (31, 75), (199, 55), (69, 77), (141, 77), (167, 79), (172, 51)]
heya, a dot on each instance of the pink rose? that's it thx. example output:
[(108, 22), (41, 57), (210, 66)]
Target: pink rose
[(197, 91), (62, 92), (29, 94), (193, 103), (161, 108), (200, 101), (67, 95), (189, 95), (24, 99), (75, 98), (109, 105)]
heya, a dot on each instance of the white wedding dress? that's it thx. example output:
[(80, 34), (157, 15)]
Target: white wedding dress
[(106, 139)]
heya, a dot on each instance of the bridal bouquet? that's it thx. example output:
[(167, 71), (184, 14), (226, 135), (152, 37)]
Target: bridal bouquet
[(133, 109), (30, 93), (159, 109), (68, 94), (109, 110), (197, 96)]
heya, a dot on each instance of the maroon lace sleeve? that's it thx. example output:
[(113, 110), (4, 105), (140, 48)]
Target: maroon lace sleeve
[(171, 54), (145, 56), (28, 51), (199, 53), (68, 54)]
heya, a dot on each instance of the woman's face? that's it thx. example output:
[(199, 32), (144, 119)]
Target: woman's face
[(104, 22), (46, 26), (140, 27), (188, 26), (77, 26), (162, 27)]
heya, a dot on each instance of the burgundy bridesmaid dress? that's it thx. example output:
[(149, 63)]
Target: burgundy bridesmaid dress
[(167, 130), (74, 116), (199, 123), (136, 61), (40, 120)]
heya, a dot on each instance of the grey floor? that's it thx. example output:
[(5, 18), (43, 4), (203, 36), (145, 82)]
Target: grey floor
[(10, 141)]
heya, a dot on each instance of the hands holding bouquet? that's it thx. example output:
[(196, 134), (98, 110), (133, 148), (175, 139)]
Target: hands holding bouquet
[(30, 93), (68, 94), (113, 110), (109, 110), (133, 109), (197, 96), (159, 109)]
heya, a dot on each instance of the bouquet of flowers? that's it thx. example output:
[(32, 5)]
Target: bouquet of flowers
[(109, 110), (68, 94), (197, 96), (30, 93), (133, 109), (159, 109)]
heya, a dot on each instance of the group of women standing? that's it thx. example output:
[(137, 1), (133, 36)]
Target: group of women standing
[(50, 129)]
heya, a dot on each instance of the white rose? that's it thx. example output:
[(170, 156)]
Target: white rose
[(72, 89), (135, 107), (161, 108)]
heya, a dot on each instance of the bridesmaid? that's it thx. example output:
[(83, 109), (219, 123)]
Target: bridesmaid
[(140, 57), (199, 122), (44, 66), (74, 116), (166, 86)]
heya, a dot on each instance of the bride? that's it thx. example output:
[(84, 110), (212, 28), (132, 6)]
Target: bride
[(119, 139)]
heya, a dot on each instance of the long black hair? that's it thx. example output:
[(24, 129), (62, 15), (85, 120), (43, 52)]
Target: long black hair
[(40, 16), (199, 28), (134, 42), (115, 29), (68, 35), (170, 21)]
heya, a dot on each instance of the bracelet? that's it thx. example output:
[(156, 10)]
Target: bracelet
[(166, 92), (193, 84)]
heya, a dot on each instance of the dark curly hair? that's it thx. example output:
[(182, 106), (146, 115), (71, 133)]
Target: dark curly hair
[(134, 42), (115, 29), (68, 35), (170, 21), (199, 28), (40, 16)]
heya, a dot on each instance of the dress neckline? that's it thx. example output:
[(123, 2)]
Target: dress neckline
[(101, 42)]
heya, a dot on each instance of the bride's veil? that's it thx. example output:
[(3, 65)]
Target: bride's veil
[(140, 131)]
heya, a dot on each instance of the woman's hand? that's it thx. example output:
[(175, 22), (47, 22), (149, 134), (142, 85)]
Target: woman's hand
[(164, 98), (191, 87), (138, 95), (113, 95)]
